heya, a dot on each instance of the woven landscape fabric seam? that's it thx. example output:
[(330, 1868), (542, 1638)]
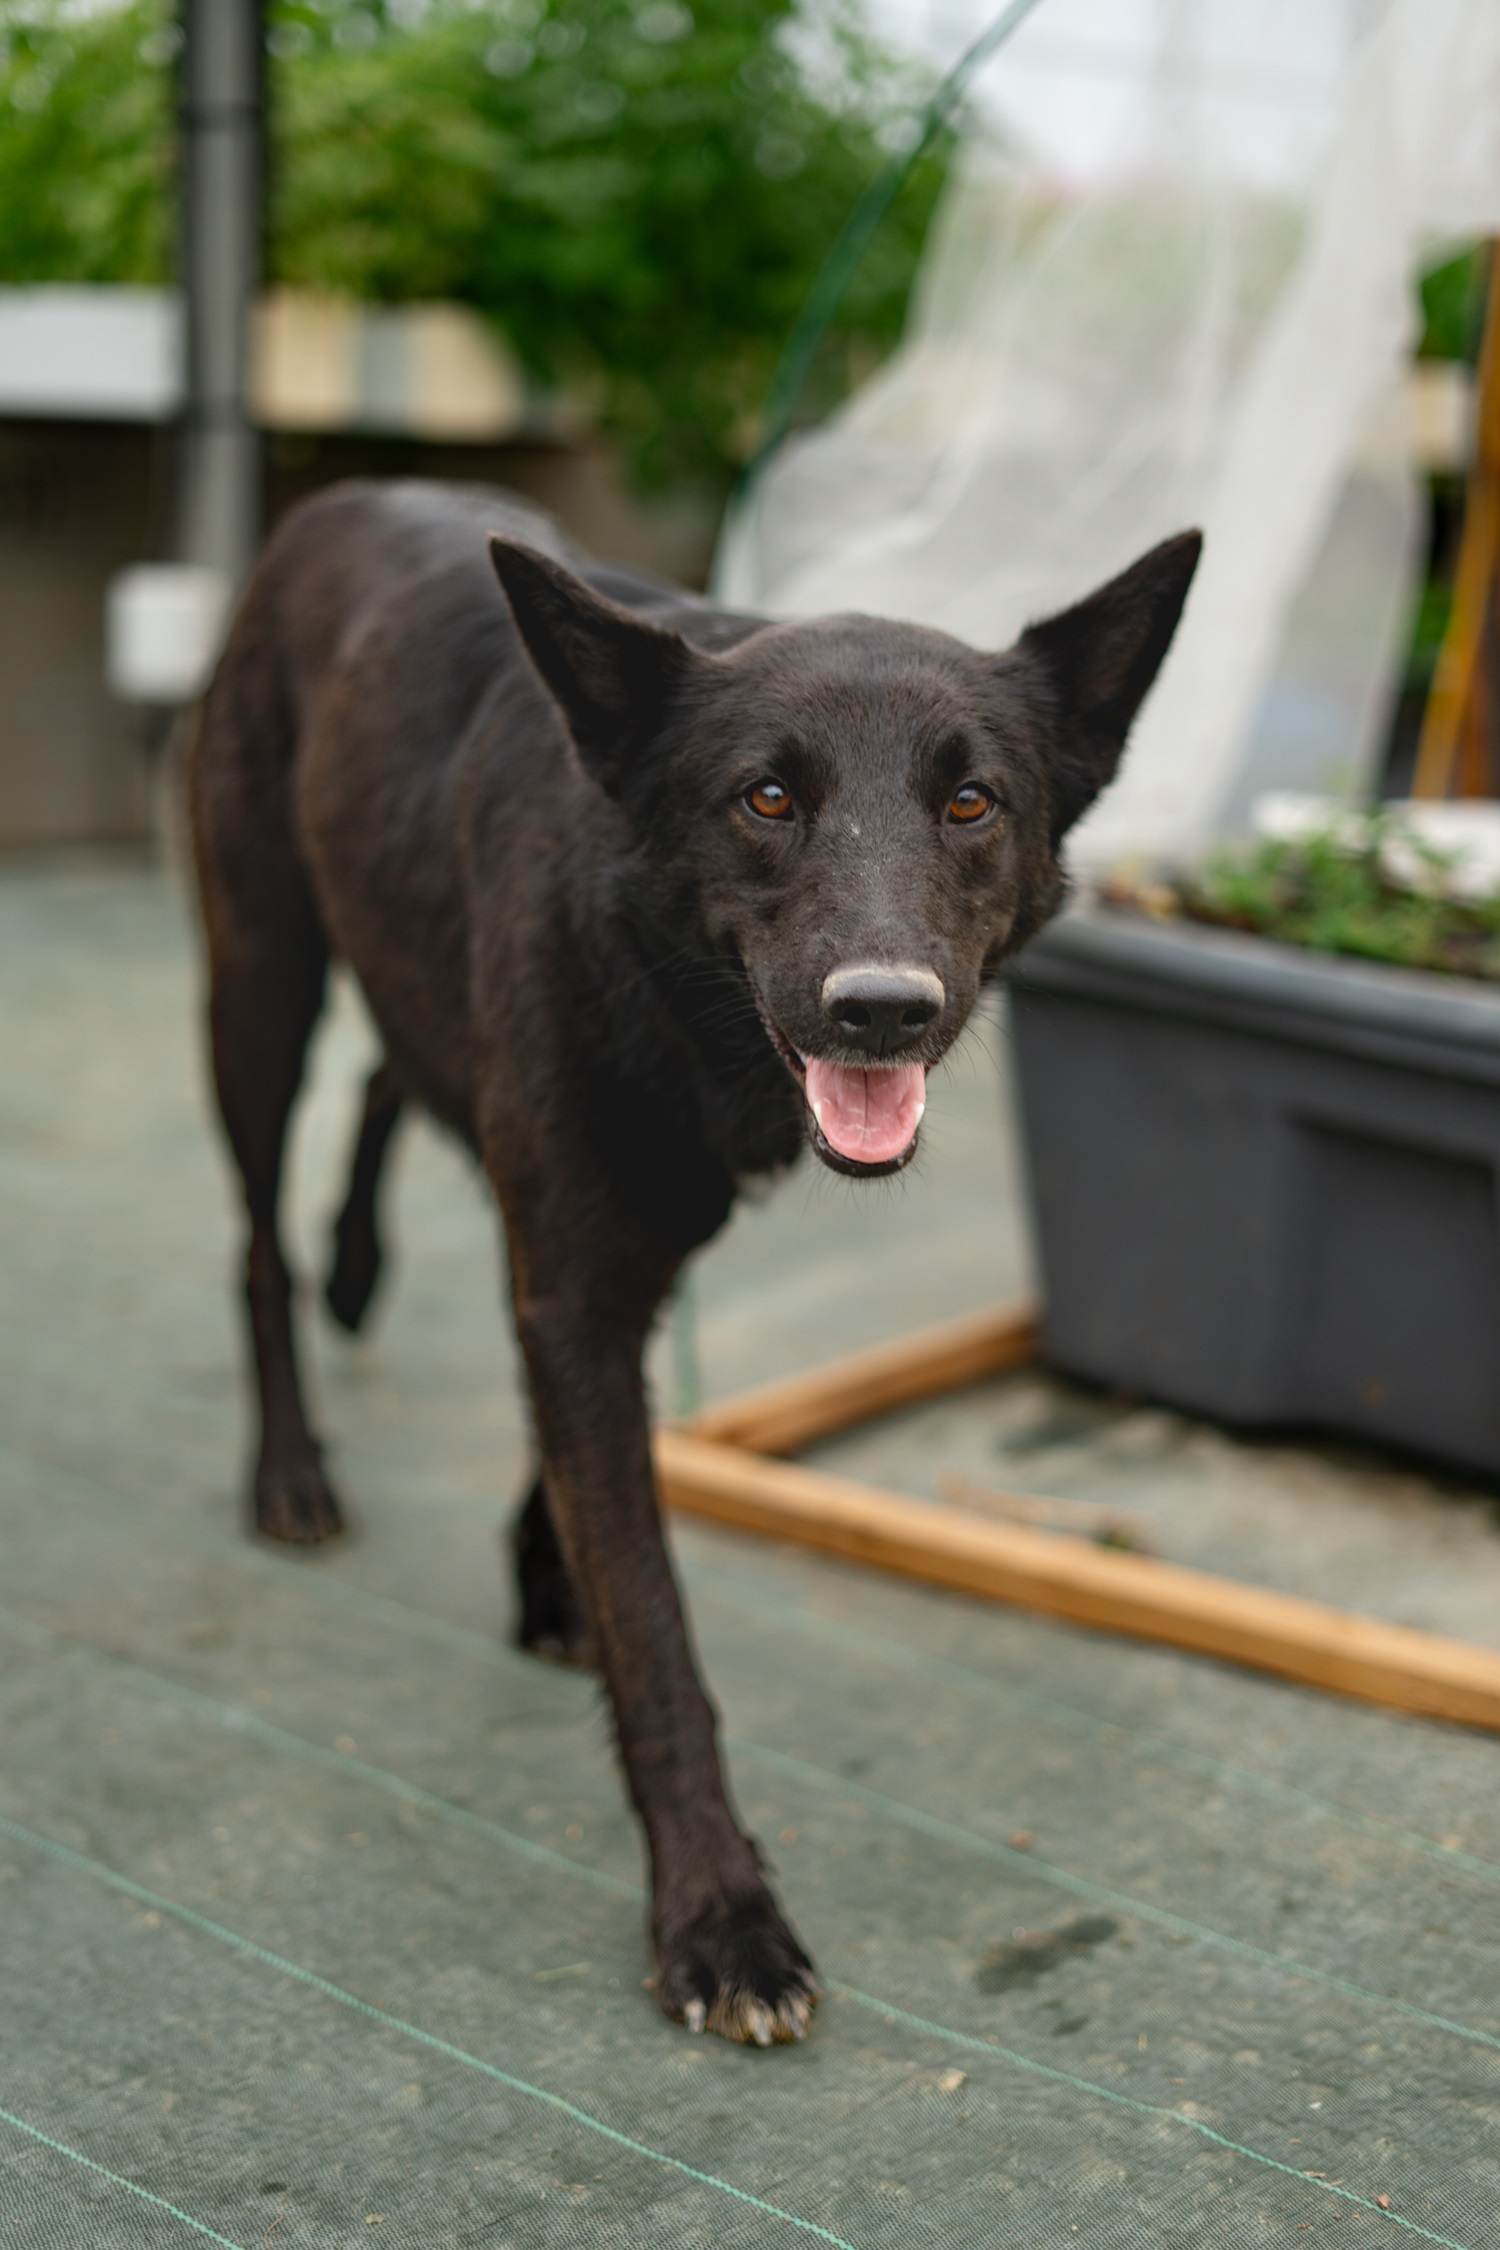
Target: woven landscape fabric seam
[(423, 1624), (234, 1718), (82, 1864), (1101, 1894), (938, 1669), (944, 1672), (935, 1668), (281, 1739), (935, 1825), (76, 2156), (1133, 2101)]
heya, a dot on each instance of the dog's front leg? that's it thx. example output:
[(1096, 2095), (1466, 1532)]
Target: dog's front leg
[(727, 1961)]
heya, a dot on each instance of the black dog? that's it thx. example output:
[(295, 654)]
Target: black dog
[(642, 896)]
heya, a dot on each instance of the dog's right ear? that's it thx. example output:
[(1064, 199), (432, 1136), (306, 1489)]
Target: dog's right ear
[(611, 672)]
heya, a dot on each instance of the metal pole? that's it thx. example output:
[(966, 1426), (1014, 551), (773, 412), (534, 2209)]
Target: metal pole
[(223, 177)]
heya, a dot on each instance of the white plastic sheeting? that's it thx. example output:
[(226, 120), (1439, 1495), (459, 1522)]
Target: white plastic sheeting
[(1172, 282)]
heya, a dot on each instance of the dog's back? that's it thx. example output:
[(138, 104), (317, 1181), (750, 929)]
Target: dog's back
[(371, 645), (321, 776)]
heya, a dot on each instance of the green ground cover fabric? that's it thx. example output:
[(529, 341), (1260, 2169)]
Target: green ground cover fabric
[(320, 1918)]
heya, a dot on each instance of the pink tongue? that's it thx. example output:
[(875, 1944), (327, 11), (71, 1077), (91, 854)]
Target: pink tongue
[(867, 1115)]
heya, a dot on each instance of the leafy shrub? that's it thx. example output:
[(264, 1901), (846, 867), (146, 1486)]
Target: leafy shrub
[(86, 154), (638, 192)]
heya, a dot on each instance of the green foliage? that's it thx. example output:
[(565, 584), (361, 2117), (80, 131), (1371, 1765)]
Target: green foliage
[(637, 192), (1335, 892), (86, 162), (1429, 627), (1453, 305), (638, 195)]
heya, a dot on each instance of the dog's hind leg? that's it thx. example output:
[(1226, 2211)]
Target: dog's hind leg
[(263, 1004), (550, 1623), (357, 1254), (268, 963)]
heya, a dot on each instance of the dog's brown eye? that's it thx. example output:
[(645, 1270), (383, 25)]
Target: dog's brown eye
[(770, 800), (971, 802)]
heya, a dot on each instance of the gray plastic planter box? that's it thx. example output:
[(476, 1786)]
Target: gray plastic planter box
[(1266, 1182)]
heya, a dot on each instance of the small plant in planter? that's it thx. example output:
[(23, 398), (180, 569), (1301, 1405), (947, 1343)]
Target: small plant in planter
[(1262, 1113), (1373, 886)]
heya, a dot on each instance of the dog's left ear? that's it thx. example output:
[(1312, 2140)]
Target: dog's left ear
[(1098, 659), (612, 673)]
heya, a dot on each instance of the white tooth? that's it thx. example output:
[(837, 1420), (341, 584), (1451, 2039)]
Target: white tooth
[(921, 1112), (818, 1114)]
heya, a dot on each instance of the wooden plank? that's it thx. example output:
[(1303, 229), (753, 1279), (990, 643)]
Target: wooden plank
[(783, 1417), (1072, 1578)]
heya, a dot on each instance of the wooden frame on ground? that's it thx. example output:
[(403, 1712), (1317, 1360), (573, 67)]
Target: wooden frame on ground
[(719, 1465)]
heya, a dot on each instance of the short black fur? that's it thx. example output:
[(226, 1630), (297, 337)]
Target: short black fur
[(534, 819)]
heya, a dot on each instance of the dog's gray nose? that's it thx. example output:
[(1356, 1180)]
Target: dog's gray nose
[(879, 1008)]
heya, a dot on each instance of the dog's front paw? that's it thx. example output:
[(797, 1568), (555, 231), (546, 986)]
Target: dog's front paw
[(294, 1502), (736, 1968)]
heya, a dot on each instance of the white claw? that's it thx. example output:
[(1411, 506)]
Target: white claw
[(695, 2015), (761, 2029)]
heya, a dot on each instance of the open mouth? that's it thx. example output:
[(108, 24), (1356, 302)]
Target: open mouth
[(862, 1118)]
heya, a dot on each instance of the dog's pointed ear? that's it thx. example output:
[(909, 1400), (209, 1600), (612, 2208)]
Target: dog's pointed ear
[(612, 673), (1098, 659)]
